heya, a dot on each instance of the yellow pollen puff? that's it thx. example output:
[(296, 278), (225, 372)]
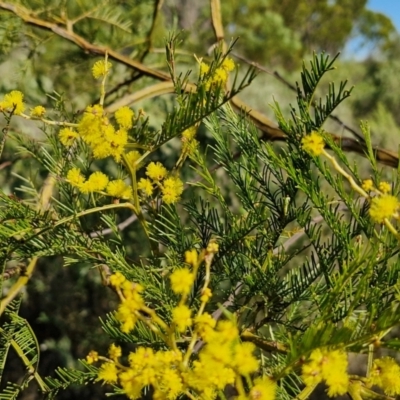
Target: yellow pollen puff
[(75, 177), (38, 112), (227, 330), (170, 385), (263, 389), (67, 136), (96, 110), (108, 373), (329, 366), (367, 185), (85, 188), (117, 279), (181, 317), (97, 182), (114, 351), (220, 76), (128, 321), (204, 325), (228, 64), (313, 144), (92, 357), (13, 101), (191, 257), (109, 142), (206, 295), (212, 247), (338, 384), (97, 131), (142, 357), (118, 188), (124, 117), (132, 157), (244, 361), (386, 374), (204, 68), (311, 373), (101, 68), (128, 308), (384, 187), (334, 372), (383, 207), (157, 369), (132, 287), (156, 171), (218, 352), (145, 186), (181, 281), (172, 189)]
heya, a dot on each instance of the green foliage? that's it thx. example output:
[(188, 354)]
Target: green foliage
[(301, 266), (67, 377), (17, 333)]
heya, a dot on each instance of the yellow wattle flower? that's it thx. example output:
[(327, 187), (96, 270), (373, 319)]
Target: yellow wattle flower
[(313, 144), (13, 101)]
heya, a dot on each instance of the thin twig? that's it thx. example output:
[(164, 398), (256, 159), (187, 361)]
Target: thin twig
[(278, 76), (157, 8)]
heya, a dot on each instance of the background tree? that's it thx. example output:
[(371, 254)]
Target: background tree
[(283, 32)]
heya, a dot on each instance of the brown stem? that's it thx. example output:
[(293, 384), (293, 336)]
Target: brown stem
[(273, 347)]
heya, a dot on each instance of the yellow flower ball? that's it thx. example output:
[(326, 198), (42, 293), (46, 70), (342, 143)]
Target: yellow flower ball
[(118, 188), (13, 101), (383, 207), (101, 68), (367, 185), (67, 136), (172, 189), (38, 112), (181, 281), (156, 171), (384, 187), (145, 186), (181, 317), (75, 177), (124, 117), (313, 144)]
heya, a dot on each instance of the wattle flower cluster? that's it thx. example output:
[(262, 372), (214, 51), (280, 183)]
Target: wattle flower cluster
[(174, 372), (222, 359), (171, 186), (329, 366), (103, 138), (220, 75), (383, 205), (99, 182), (99, 133), (95, 128), (386, 374)]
